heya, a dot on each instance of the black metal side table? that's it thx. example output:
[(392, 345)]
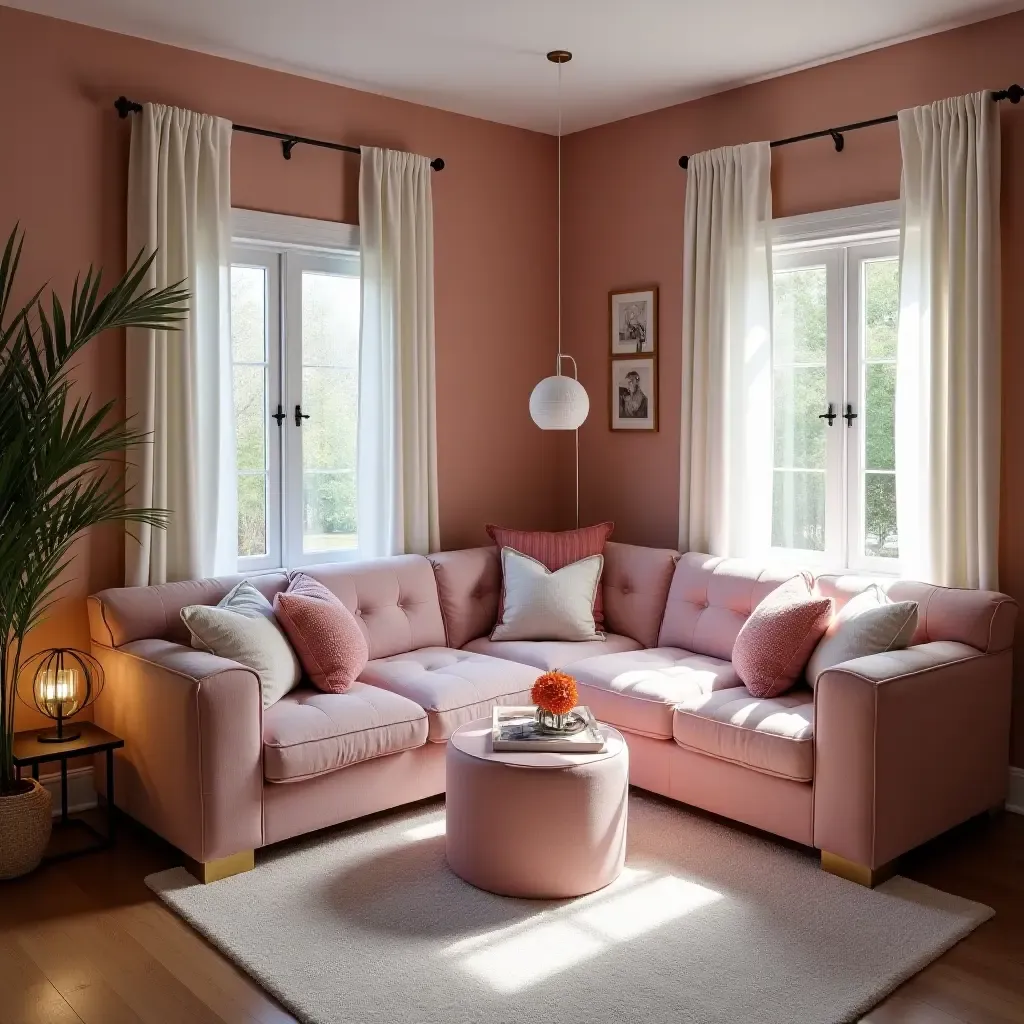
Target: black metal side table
[(30, 752)]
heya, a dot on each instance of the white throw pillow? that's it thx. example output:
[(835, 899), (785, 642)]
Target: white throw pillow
[(242, 627), (545, 605), (867, 624)]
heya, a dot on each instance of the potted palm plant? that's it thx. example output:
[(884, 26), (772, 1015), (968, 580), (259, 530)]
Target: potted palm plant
[(60, 473)]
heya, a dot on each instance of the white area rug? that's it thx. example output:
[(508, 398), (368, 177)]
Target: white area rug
[(367, 925)]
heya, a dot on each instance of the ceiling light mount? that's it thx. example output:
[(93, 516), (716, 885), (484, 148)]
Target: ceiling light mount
[(559, 56)]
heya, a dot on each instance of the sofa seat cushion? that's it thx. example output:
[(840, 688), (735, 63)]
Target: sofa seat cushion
[(551, 654), (453, 687), (773, 735), (637, 690), (309, 733)]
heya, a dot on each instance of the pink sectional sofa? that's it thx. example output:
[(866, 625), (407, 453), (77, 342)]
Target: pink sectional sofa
[(889, 751)]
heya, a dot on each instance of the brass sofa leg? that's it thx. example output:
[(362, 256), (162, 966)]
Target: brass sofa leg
[(853, 872), (225, 867)]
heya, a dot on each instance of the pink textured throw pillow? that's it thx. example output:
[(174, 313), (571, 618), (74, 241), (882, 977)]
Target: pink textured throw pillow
[(775, 643), (324, 633), (555, 550)]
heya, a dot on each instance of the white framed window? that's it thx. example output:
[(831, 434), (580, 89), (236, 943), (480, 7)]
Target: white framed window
[(836, 304), (295, 372)]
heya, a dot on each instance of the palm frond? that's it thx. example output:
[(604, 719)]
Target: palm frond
[(61, 460)]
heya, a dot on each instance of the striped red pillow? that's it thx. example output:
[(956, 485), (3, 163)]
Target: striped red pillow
[(556, 550)]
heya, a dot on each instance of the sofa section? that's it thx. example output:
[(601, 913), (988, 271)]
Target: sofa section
[(453, 687), (546, 655), (309, 733), (639, 691)]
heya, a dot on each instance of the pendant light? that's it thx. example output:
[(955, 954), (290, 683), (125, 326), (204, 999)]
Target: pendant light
[(561, 402)]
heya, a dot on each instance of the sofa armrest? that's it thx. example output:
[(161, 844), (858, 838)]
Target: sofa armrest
[(191, 766), (906, 745)]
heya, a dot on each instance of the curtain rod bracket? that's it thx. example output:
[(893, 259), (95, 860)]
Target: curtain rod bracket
[(838, 140), (287, 145), (124, 107)]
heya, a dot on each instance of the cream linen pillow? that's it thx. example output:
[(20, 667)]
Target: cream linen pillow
[(867, 624), (242, 628), (543, 605)]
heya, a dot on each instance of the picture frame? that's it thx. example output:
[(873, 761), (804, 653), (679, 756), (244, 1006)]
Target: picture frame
[(633, 394), (633, 322)]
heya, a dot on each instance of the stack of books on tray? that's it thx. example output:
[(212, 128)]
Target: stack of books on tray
[(516, 729)]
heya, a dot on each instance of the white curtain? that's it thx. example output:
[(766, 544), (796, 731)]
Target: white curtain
[(725, 477), (397, 458), (178, 383), (948, 361)]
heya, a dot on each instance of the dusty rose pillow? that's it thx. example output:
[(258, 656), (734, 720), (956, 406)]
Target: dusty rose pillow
[(775, 643), (324, 633)]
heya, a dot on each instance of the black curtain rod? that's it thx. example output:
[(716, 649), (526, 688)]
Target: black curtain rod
[(125, 106), (1014, 94)]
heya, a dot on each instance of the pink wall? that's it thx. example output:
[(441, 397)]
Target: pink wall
[(63, 175), (624, 225)]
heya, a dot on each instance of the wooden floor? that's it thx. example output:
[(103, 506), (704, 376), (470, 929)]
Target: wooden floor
[(85, 941)]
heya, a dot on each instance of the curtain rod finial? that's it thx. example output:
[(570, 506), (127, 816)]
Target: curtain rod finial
[(684, 162), (437, 163)]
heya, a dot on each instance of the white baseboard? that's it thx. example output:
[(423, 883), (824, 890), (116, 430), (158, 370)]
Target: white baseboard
[(1015, 794), (81, 790)]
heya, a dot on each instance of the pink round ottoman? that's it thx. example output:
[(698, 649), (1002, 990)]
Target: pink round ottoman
[(545, 826)]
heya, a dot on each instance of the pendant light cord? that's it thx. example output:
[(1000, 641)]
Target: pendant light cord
[(559, 217)]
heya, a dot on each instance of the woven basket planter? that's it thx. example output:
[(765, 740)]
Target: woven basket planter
[(24, 829)]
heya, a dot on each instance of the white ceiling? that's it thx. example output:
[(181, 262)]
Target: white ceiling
[(486, 57)]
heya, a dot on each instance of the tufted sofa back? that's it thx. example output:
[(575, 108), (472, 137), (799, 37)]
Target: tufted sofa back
[(394, 600), (982, 619), (123, 614), (710, 599), (636, 582)]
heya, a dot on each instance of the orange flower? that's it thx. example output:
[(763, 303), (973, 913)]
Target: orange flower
[(555, 692)]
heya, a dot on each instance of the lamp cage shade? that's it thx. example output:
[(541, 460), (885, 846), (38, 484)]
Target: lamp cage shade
[(559, 403), (64, 682)]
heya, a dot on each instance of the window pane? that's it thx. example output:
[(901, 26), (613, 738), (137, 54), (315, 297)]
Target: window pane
[(329, 501), (800, 316), (880, 304), (330, 396), (330, 320), (880, 538), (881, 308), (800, 396), (250, 394), (248, 314), (880, 416), (252, 514), (798, 512)]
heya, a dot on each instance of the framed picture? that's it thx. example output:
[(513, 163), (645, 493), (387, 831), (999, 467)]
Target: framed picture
[(633, 318), (634, 397)]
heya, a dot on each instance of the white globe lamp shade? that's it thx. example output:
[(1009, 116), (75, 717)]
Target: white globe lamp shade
[(559, 403)]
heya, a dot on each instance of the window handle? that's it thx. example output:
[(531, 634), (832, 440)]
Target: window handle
[(279, 415), (300, 416), (849, 415), (830, 415)]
